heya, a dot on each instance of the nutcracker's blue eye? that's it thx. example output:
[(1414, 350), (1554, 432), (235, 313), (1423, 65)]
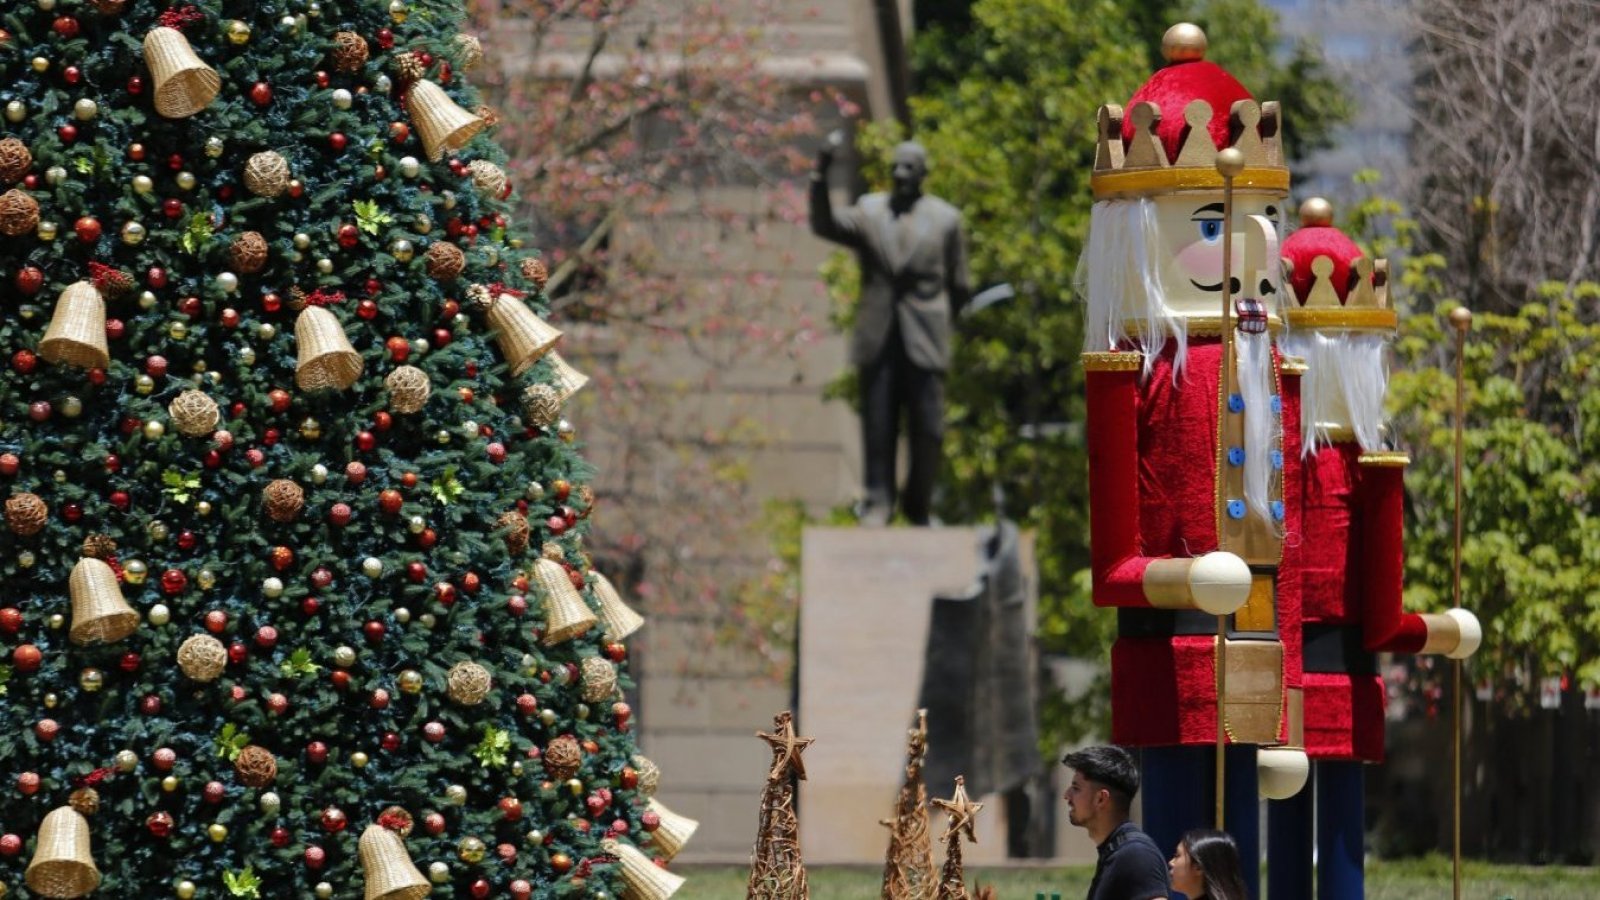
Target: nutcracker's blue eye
[(1210, 230)]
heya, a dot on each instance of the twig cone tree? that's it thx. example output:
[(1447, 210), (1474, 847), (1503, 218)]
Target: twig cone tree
[(962, 812), (908, 863), (776, 870)]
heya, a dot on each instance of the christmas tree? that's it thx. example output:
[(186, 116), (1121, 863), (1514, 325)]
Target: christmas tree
[(962, 813), (292, 583), (908, 863)]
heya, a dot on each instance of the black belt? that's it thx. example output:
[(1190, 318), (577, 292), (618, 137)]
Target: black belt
[(1134, 622), (1338, 649)]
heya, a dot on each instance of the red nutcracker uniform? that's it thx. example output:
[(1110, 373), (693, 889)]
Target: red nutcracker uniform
[(1351, 565), (1193, 441)]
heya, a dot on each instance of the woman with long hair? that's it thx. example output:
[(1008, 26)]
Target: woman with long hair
[(1207, 866)]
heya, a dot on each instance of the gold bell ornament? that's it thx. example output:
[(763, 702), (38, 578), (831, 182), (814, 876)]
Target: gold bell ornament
[(568, 381), (444, 125), (77, 332), (390, 873), (641, 878), (63, 865), (616, 618), (565, 614), (99, 613), (326, 358), (674, 831), (523, 336), (184, 84)]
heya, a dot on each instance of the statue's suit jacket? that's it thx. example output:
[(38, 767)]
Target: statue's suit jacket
[(913, 270)]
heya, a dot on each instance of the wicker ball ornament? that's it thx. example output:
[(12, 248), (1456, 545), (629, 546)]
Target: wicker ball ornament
[(541, 405), (266, 174), (517, 530), (649, 775), (536, 272), (19, 213), (349, 52), (249, 252), (26, 514), (488, 178), (599, 679), (283, 499), (15, 160), (202, 657), (409, 389), (194, 414), (86, 800), (468, 683), (444, 261), (562, 758), (470, 50), (255, 766)]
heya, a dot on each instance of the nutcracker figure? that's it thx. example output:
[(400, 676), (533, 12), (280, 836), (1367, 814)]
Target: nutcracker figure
[(1351, 561), (1194, 442)]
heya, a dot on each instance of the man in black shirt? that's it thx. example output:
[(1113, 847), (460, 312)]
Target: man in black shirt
[(1131, 866)]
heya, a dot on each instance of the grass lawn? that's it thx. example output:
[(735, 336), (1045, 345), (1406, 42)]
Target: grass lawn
[(1398, 880)]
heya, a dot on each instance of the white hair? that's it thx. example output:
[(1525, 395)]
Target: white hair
[(1117, 265), (1347, 376)]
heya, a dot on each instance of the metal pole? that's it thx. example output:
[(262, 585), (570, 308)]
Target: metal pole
[(1461, 318)]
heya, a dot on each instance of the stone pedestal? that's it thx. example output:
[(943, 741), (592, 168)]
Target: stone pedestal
[(866, 596)]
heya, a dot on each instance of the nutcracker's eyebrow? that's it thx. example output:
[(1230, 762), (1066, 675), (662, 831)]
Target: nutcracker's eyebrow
[(1211, 208)]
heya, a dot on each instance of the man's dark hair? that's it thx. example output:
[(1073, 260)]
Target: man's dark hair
[(1109, 766)]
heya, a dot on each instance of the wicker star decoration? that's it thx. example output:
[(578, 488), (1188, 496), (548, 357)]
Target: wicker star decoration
[(962, 811), (787, 746)]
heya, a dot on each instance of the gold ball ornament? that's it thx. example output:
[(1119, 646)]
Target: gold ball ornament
[(125, 761), (1183, 42), (1230, 162), (238, 33), (410, 682), (185, 890), (86, 800), (1316, 212), (471, 850)]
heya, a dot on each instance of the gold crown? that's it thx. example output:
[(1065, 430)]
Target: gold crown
[(1366, 306), (1141, 168)]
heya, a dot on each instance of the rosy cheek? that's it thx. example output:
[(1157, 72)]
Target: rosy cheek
[(1201, 261)]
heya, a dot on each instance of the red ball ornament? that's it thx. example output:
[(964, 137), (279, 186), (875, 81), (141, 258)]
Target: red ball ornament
[(560, 862), (510, 808), (433, 823), (261, 93), (67, 133), (150, 704), (164, 758), (428, 538), (72, 512), (10, 845), (28, 783), (479, 889), (229, 318), (649, 820), (172, 208), (322, 79), (497, 452), (366, 442), (129, 662), (442, 337), (213, 792), (433, 732), (382, 420), (216, 621), (445, 592), (338, 141), (520, 889), (155, 366), (281, 558), (266, 637), (399, 132), (310, 605), (121, 500), (279, 400), (619, 827), (316, 753), (88, 229), (390, 741), (47, 729), (355, 472), (174, 582), (30, 279), (385, 38), (390, 501), (367, 310), (236, 693), (238, 653), (136, 85), (527, 704), (9, 463), (39, 410), (315, 857), (416, 572), (66, 26), (339, 514), (399, 348), (24, 362), (349, 236), (374, 630), (379, 699), (621, 713), (340, 679), (277, 704), (628, 778), (72, 75), (334, 820), (595, 804), (616, 651), (279, 837), (159, 824), (10, 620), (556, 524), (517, 605)]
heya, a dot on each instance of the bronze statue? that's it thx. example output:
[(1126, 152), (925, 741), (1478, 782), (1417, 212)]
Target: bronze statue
[(913, 261)]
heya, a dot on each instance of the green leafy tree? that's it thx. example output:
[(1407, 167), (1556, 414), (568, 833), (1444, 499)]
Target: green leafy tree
[(330, 619)]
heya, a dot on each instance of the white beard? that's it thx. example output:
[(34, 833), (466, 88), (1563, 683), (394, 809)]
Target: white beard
[(1347, 377)]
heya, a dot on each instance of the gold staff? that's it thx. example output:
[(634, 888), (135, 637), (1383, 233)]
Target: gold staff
[(1461, 318), (1230, 162)]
